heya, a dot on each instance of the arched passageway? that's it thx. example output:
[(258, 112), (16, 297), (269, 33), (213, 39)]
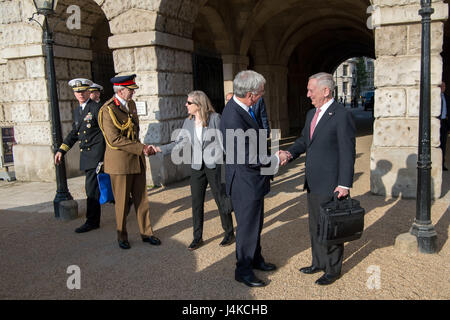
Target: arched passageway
[(286, 42)]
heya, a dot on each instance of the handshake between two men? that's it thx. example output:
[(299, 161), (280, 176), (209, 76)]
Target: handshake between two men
[(285, 157), (150, 150)]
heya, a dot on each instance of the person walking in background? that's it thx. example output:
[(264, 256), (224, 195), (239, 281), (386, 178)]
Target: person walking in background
[(328, 139), (125, 159), (228, 97), (200, 133), (85, 129), (261, 115)]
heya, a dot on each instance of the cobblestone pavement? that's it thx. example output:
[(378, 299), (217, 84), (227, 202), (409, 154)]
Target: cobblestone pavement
[(36, 249)]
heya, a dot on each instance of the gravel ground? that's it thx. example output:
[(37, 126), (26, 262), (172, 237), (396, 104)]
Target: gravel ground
[(36, 249)]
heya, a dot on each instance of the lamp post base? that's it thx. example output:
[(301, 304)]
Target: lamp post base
[(426, 237), (59, 209)]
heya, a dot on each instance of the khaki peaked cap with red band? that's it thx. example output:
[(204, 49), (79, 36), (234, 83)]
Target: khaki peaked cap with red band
[(125, 81)]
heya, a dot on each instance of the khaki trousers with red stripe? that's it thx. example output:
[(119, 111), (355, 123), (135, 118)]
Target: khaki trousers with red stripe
[(135, 184)]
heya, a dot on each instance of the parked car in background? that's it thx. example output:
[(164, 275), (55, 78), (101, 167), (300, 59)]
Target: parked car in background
[(369, 100)]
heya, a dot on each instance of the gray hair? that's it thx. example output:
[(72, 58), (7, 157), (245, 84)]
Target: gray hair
[(324, 80), (247, 81), (118, 88)]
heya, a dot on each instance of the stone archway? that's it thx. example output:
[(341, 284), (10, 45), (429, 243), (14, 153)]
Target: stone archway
[(289, 41)]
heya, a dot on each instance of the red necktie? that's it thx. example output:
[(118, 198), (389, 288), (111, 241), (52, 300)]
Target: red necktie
[(313, 123)]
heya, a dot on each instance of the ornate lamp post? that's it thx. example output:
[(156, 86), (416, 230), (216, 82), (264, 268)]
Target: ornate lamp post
[(47, 8), (422, 227)]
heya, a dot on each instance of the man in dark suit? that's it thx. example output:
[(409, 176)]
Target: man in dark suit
[(244, 181), (328, 139), (443, 117), (92, 148)]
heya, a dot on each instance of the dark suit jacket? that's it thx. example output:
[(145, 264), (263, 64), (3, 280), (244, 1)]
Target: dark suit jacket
[(86, 130), (330, 154), (261, 115), (246, 177)]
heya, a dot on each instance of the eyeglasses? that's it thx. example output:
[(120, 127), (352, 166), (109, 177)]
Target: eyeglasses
[(190, 102)]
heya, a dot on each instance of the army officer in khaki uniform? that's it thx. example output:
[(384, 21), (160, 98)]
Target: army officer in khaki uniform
[(125, 159), (92, 148)]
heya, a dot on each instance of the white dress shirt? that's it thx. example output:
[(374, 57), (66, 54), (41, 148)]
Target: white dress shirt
[(323, 109), (122, 102), (84, 104)]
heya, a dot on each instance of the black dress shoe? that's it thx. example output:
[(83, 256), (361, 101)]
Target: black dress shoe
[(444, 168), (124, 244), (326, 279), (265, 266), (227, 240), (195, 244), (152, 240), (250, 281), (310, 270), (85, 228)]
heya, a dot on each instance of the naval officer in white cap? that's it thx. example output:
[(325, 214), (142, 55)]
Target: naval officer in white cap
[(92, 148)]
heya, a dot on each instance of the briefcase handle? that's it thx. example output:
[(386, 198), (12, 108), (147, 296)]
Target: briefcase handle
[(347, 198)]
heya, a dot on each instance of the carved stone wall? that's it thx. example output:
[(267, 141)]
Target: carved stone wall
[(397, 97)]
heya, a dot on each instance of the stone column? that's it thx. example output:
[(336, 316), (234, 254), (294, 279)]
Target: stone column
[(23, 94), (275, 96), (393, 161), (163, 64), (232, 65)]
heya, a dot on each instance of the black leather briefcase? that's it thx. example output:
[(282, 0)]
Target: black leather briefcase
[(341, 220)]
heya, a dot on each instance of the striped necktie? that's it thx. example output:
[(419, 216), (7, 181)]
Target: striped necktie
[(313, 123)]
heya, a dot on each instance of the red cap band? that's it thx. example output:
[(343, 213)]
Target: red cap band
[(126, 83)]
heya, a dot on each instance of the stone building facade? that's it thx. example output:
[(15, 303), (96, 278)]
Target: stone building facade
[(345, 80), (175, 46)]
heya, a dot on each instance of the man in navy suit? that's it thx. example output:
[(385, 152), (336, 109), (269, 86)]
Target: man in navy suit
[(328, 139), (245, 182)]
